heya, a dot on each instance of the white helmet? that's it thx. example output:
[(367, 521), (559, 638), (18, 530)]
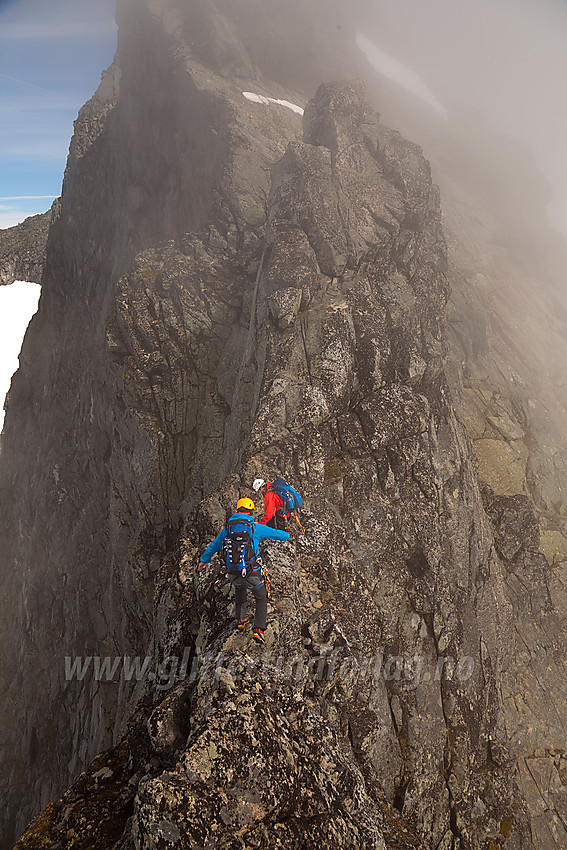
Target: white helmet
[(259, 482)]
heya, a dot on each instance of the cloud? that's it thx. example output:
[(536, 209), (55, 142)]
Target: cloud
[(400, 73), (36, 126), (18, 94), (26, 197), (43, 145), (14, 213), (504, 60), (11, 218), (48, 102), (15, 30), (9, 78)]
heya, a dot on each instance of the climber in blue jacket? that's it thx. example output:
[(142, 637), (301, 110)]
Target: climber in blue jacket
[(240, 540)]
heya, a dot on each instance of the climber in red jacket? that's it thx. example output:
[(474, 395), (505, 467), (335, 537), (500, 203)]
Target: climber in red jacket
[(273, 505)]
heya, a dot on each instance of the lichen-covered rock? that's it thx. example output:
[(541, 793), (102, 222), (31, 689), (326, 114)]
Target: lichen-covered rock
[(516, 526), (284, 306), (264, 768), (502, 465), (93, 812), (168, 723), (263, 297)]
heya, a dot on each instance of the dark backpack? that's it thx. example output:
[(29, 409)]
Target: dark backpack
[(290, 497), (239, 551)]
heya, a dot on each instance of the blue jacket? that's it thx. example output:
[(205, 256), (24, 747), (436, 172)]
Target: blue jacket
[(259, 532)]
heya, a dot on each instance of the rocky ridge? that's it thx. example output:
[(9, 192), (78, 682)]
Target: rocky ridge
[(279, 305), (22, 249)]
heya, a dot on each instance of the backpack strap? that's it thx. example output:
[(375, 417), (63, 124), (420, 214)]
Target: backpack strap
[(278, 509)]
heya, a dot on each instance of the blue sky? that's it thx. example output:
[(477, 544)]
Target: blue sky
[(52, 53)]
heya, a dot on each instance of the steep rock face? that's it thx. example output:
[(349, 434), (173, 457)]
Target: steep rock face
[(507, 350), (100, 520), (507, 346), (258, 297)]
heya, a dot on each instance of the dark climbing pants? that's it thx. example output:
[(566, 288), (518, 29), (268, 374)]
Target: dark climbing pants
[(255, 583), (278, 521)]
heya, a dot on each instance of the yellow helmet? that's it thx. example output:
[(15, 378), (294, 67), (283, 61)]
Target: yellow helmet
[(246, 504)]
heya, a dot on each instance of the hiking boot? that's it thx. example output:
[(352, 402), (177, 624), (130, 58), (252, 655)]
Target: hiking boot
[(259, 635), (241, 624)]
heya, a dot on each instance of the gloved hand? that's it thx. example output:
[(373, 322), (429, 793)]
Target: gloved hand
[(202, 566)]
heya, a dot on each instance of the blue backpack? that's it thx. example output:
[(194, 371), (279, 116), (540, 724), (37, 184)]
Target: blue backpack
[(239, 551), (290, 497)]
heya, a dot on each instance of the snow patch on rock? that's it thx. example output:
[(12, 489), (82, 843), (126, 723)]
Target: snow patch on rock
[(259, 98)]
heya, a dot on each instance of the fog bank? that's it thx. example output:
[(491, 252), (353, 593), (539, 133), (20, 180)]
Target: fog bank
[(504, 60)]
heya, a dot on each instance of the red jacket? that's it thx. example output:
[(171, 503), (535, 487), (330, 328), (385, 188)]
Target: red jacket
[(272, 503)]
